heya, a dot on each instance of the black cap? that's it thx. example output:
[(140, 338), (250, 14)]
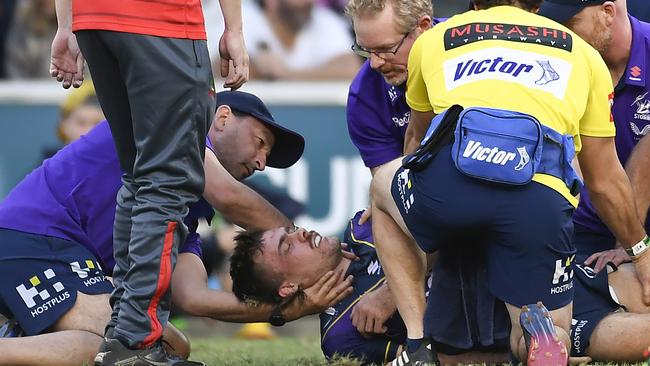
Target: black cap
[(288, 146), (563, 10)]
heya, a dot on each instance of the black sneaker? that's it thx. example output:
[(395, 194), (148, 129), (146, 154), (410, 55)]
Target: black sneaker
[(423, 356), (543, 345), (113, 353)]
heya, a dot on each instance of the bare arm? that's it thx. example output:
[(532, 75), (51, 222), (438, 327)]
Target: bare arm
[(232, 47), (609, 189), (638, 169), (237, 202), (66, 60), (191, 294), (64, 14), (611, 194), (418, 125)]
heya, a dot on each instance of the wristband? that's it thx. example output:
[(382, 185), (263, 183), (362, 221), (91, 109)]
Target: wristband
[(276, 318), (639, 247)]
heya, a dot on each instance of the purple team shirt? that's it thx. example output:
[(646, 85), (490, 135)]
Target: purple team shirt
[(631, 111), (72, 196), (377, 116)]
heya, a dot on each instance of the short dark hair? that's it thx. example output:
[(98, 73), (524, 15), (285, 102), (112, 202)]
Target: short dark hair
[(526, 4), (250, 282)]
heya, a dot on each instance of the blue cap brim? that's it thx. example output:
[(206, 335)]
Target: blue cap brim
[(288, 146), (559, 12)]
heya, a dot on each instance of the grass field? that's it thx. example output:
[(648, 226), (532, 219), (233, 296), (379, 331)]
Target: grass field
[(223, 351), (226, 351)]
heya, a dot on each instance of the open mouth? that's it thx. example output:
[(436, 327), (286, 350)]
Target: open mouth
[(316, 240)]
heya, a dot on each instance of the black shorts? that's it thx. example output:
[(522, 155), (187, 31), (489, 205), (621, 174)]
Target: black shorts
[(41, 276), (593, 299), (526, 231)]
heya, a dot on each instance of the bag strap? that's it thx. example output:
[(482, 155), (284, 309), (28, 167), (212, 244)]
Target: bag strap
[(442, 135)]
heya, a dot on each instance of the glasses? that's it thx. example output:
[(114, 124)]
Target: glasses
[(365, 53)]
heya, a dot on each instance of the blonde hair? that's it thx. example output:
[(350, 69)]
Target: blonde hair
[(407, 12)]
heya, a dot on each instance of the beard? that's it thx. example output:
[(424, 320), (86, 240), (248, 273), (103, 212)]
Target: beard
[(295, 18), (603, 40), (396, 79)]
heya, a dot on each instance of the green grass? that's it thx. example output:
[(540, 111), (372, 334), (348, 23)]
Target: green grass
[(226, 351)]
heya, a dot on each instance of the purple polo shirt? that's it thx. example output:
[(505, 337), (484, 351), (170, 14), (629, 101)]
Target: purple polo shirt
[(72, 196), (377, 116), (631, 111)]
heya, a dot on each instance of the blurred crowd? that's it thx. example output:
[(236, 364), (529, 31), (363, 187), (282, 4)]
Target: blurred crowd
[(286, 39)]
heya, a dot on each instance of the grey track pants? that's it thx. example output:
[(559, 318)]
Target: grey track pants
[(158, 96)]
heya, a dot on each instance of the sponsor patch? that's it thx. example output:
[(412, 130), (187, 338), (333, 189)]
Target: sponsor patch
[(475, 32), (533, 70)]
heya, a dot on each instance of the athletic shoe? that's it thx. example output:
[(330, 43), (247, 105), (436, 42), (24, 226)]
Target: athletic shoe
[(543, 345), (113, 353), (423, 356), (10, 329)]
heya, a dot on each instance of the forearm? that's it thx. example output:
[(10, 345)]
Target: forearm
[(615, 205), (418, 125), (638, 170), (64, 14), (237, 202), (231, 10), (250, 210), (609, 189)]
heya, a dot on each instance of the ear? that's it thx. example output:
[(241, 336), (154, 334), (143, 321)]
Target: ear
[(287, 289), (221, 117), (608, 9), (424, 23)]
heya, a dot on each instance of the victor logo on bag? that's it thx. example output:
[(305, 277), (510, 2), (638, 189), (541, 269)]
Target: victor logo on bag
[(474, 150)]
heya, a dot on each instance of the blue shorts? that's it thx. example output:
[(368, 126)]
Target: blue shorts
[(41, 276), (592, 300), (526, 231)]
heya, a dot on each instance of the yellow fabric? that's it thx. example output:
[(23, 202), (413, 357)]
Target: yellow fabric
[(532, 72), (77, 97)]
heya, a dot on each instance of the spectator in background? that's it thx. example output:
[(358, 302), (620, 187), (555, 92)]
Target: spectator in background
[(80, 112), (337, 5), (30, 35), (6, 14), (297, 40)]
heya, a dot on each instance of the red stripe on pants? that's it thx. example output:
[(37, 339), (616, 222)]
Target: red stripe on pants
[(164, 278)]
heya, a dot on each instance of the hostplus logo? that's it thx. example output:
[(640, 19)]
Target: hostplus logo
[(563, 275), (404, 186), (47, 295), (85, 272), (576, 332)]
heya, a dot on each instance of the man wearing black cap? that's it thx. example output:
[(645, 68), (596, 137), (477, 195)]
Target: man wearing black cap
[(624, 44), (57, 290)]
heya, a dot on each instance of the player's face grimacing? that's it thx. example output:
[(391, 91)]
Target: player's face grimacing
[(299, 256)]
